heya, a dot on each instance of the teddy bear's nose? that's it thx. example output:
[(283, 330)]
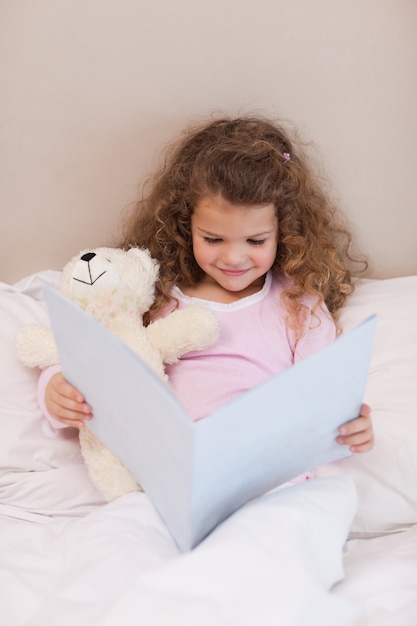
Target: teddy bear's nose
[(88, 256)]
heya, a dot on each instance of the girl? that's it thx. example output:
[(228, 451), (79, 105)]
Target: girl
[(237, 220)]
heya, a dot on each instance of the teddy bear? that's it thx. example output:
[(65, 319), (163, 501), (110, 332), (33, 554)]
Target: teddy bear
[(117, 287)]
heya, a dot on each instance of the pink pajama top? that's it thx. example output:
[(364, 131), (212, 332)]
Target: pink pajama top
[(255, 343)]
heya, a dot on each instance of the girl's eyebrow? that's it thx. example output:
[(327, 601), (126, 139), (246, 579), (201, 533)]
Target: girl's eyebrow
[(262, 234), (207, 232)]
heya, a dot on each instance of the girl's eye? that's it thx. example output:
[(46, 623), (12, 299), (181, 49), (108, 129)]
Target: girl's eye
[(212, 240), (256, 242)]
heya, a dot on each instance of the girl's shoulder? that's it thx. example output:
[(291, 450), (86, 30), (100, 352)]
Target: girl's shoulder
[(280, 283)]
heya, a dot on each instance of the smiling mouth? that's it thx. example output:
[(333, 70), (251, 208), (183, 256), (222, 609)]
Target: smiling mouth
[(233, 272)]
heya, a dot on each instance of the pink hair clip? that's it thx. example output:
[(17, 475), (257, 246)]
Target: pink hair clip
[(286, 157)]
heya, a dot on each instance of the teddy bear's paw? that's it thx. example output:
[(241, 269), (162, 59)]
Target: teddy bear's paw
[(201, 326), (110, 477), (182, 331), (36, 347)]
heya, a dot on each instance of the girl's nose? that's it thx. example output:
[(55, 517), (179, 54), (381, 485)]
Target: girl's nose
[(232, 255)]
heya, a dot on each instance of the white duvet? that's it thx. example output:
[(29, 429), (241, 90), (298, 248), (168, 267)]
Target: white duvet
[(272, 562)]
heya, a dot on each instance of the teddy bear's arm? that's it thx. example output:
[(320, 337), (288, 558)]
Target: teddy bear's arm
[(36, 346), (185, 330)]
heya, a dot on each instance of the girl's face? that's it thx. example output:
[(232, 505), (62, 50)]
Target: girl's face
[(234, 245)]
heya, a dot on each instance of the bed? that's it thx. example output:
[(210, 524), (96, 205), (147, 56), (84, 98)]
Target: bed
[(66, 557), (90, 93)]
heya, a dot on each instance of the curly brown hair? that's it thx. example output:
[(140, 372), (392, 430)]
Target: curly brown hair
[(250, 161)]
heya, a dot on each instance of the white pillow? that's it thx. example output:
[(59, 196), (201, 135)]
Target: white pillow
[(41, 470), (386, 477)]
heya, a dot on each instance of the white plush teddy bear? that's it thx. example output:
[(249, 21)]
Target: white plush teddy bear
[(117, 287)]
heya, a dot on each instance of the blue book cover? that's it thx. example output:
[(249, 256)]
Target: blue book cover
[(196, 474)]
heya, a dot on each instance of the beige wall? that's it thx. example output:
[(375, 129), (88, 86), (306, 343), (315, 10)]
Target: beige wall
[(91, 88)]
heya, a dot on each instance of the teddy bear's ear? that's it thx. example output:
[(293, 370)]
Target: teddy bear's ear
[(144, 256)]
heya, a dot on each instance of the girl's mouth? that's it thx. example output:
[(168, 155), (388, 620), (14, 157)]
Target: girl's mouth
[(227, 272)]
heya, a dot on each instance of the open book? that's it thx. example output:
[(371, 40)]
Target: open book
[(197, 473)]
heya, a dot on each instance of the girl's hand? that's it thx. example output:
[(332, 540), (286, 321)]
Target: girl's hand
[(358, 434), (65, 403)]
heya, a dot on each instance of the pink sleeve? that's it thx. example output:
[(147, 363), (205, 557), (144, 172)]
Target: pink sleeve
[(44, 379), (320, 331)]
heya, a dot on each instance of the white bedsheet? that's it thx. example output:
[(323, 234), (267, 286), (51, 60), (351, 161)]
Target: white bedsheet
[(382, 573)]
